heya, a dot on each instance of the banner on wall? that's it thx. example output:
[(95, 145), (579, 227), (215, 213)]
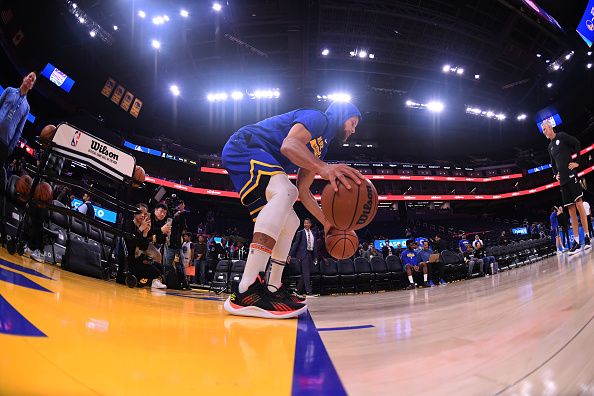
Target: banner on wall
[(108, 87), (136, 107), (117, 94), (127, 101)]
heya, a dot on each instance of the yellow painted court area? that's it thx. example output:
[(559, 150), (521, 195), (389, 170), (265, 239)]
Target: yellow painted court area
[(104, 338)]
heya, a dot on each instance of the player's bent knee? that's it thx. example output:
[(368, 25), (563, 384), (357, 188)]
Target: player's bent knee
[(292, 222)]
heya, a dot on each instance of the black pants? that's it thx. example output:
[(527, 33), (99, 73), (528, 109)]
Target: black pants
[(590, 226), (3, 154), (304, 281), (438, 269), (146, 273)]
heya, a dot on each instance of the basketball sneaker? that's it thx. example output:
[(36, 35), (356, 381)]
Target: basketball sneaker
[(442, 282), (285, 293), (259, 302), (587, 244), (411, 286), (575, 248), (430, 284)]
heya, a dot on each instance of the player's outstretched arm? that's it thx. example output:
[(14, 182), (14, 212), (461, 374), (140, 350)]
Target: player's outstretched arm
[(294, 148), (305, 179)]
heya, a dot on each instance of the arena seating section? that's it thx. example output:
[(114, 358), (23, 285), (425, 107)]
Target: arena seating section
[(362, 275)]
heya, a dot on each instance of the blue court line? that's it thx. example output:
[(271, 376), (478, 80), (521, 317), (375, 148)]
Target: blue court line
[(345, 328), (13, 323), (23, 269), (20, 280), (314, 373)]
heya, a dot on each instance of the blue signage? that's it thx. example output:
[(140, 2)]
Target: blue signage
[(146, 150), (100, 213), (586, 27)]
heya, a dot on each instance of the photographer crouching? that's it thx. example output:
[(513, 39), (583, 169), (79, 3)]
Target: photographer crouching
[(140, 262)]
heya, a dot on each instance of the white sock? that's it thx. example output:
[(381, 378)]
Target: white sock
[(425, 277), (281, 251), (256, 263), (410, 279)]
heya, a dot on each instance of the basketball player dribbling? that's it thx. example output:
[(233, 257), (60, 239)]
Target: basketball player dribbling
[(561, 147), (258, 158)]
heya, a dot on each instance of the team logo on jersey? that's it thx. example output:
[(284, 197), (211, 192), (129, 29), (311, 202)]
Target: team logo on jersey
[(76, 138), (317, 145)]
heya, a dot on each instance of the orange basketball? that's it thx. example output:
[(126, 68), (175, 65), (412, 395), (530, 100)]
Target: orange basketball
[(138, 176), (43, 192), (350, 209), (341, 244), (23, 188), (47, 134)]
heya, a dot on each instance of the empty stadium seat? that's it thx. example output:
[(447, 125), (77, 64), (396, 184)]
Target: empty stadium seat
[(395, 270), (78, 229), (348, 279), (381, 277), (236, 272), (329, 280), (363, 272), (221, 277), (13, 208)]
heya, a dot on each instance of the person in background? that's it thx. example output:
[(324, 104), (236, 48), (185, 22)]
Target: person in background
[(411, 262), (562, 147), (303, 249), (480, 252), (63, 197), (503, 241), (139, 262), (555, 230), (563, 227), (589, 218), (433, 263), (14, 110), (86, 207), (159, 232), (187, 251), (200, 261), (470, 259), (439, 244), (365, 251), (387, 249)]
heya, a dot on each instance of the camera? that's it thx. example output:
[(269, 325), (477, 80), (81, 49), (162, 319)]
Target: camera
[(172, 202)]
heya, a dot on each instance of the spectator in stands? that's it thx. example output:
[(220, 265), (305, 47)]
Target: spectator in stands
[(480, 252), (589, 218), (365, 251), (140, 264), (398, 251), (14, 110), (303, 249), (439, 244), (387, 249), (411, 262), (200, 261), (63, 196), (502, 239), (433, 263), (470, 259), (187, 250), (86, 207), (160, 229), (223, 251), (563, 226), (555, 230), (173, 250), (408, 233), (240, 253)]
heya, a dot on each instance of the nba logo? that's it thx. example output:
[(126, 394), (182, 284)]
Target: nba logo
[(75, 138)]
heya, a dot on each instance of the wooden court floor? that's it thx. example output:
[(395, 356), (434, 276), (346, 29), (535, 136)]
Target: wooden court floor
[(527, 331)]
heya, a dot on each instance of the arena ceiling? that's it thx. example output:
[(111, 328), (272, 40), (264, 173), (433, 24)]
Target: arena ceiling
[(250, 45)]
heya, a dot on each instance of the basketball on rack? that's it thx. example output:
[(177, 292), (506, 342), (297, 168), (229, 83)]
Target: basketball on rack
[(47, 134), (43, 192), (341, 244), (350, 209), (23, 188), (138, 176)]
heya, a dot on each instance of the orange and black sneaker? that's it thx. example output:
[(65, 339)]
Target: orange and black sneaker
[(284, 293), (257, 301)]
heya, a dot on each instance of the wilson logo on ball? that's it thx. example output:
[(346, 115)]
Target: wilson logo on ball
[(367, 207)]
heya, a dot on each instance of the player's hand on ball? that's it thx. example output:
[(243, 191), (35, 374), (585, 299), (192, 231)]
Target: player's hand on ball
[(340, 172)]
